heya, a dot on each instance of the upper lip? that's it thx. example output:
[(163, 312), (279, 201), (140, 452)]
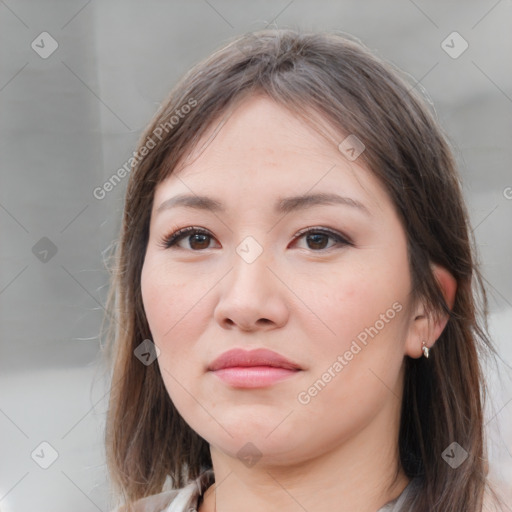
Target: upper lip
[(257, 357)]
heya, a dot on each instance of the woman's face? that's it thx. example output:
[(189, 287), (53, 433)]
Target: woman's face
[(322, 283)]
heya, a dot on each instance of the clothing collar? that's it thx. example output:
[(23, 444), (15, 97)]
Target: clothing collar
[(191, 496)]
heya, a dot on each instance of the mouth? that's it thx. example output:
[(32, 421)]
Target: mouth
[(252, 369)]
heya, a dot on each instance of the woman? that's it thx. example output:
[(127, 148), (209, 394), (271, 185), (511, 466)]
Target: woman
[(295, 322)]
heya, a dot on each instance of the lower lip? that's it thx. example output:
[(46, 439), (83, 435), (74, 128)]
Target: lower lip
[(253, 376)]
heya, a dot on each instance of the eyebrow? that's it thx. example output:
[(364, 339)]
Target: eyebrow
[(283, 205)]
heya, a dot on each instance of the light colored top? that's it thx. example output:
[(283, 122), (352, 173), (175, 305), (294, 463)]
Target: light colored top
[(186, 499)]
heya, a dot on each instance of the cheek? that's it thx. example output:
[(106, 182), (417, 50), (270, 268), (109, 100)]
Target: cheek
[(169, 307), (177, 311), (170, 298), (364, 308), (353, 302), (165, 302), (355, 372)]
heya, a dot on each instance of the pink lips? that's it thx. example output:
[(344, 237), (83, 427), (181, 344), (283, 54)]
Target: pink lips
[(252, 369)]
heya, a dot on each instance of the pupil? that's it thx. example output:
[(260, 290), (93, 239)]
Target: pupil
[(197, 238), (316, 240)]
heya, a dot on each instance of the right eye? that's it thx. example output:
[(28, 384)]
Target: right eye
[(198, 239)]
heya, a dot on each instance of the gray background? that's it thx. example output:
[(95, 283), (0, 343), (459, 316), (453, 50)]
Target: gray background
[(70, 120)]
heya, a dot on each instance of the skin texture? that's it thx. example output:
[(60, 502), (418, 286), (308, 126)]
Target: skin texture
[(308, 301)]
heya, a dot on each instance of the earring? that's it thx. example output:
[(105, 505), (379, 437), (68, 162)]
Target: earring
[(425, 349)]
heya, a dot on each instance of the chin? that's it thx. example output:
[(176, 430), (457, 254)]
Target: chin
[(260, 440)]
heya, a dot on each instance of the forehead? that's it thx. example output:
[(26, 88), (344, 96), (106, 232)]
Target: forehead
[(261, 150)]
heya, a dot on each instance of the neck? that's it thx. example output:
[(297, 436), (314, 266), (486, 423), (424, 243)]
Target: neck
[(356, 475)]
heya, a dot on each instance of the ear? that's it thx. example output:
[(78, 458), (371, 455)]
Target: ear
[(428, 328)]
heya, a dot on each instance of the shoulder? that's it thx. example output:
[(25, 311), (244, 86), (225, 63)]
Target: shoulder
[(175, 500), (497, 498), (154, 503), (406, 498)]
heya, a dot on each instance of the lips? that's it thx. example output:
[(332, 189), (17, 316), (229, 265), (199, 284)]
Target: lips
[(252, 358), (258, 368)]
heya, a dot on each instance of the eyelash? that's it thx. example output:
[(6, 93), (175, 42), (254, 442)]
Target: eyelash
[(168, 241)]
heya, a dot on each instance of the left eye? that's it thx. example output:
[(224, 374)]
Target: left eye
[(317, 238), (200, 239)]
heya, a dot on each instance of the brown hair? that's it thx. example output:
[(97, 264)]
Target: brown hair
[(329, 77)]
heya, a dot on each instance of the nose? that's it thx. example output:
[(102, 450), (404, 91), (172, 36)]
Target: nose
[(252, 297)]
